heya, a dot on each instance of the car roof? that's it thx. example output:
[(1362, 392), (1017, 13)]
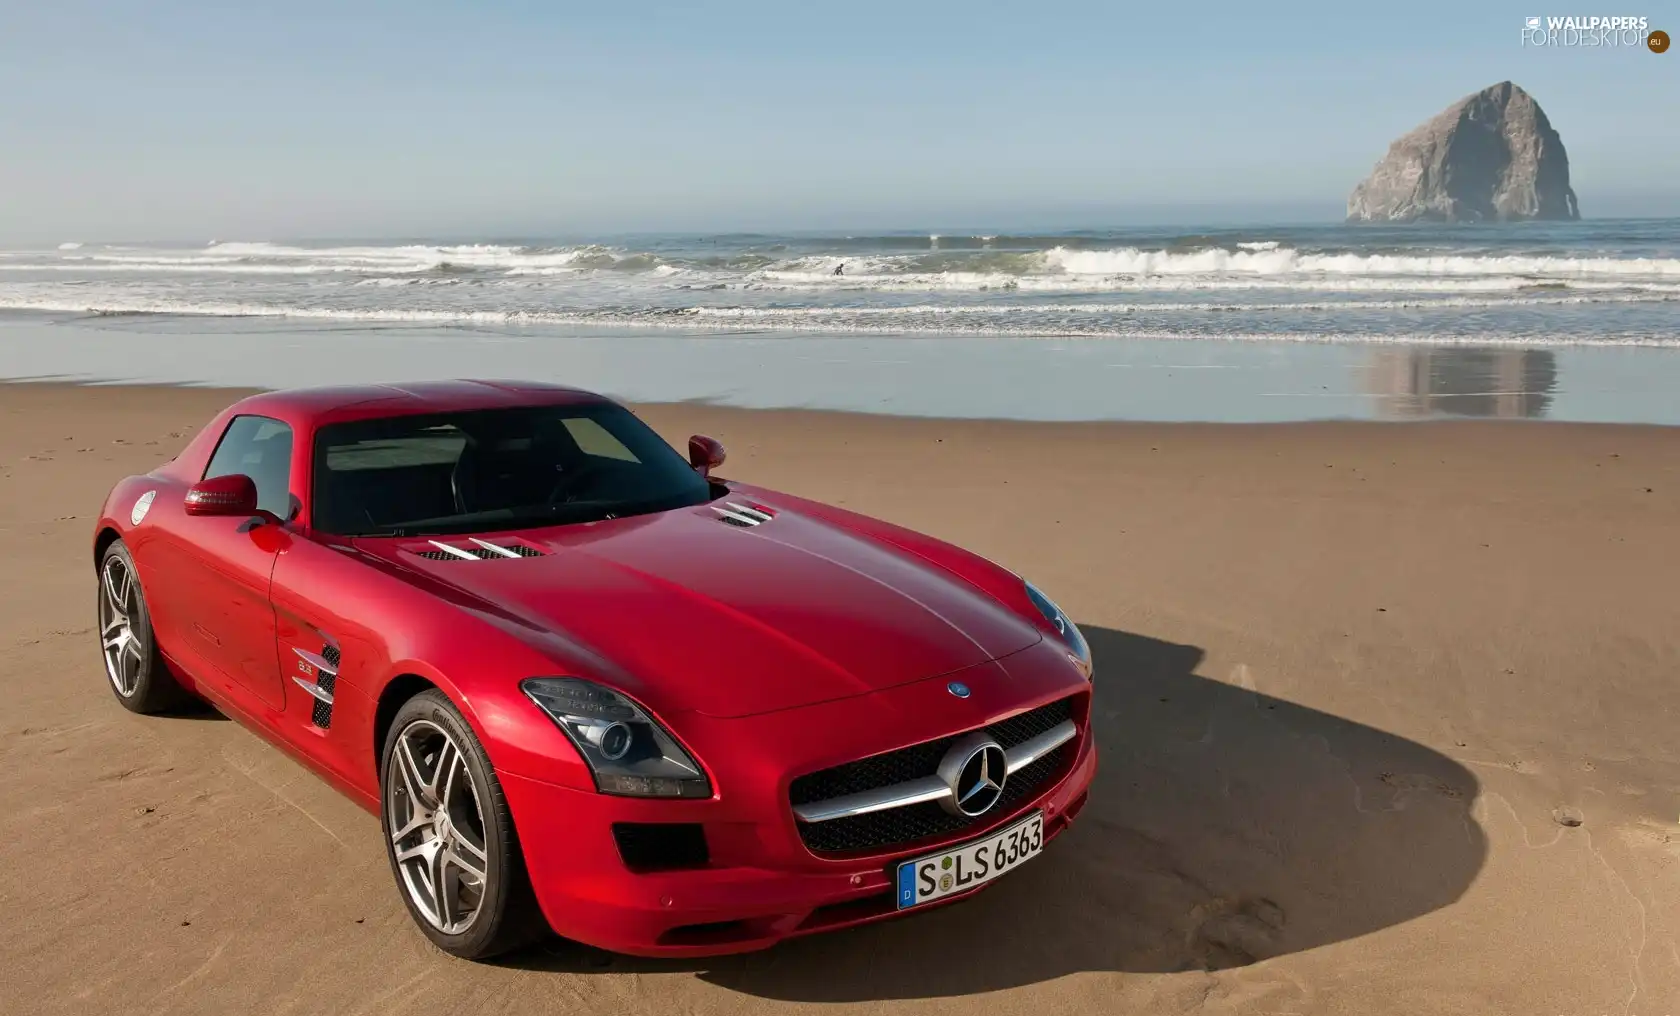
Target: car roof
[(335, 403)]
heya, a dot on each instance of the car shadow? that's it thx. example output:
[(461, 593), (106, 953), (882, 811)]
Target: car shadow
[(193, 712), (1224, 827), (195, 708)]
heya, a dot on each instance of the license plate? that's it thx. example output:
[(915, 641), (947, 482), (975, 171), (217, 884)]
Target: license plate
[(953, 871)]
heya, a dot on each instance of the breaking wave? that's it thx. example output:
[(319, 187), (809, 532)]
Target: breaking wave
[(1073, 321), (1286, 261), (1611, 282), (933, 266)]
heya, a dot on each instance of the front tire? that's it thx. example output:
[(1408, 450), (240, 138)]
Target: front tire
[(449, 834), (134, 666)]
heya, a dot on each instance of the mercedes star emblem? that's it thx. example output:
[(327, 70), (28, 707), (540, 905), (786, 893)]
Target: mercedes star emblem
[(975, 768)]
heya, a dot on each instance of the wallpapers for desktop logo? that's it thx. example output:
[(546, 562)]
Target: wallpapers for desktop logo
[(1572, 32)]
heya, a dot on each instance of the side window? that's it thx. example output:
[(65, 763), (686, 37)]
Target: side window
[(594, 439), (260, 448)]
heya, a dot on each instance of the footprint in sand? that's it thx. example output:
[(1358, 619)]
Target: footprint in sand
[(1418, 781), (117, 775), (1235, 932)]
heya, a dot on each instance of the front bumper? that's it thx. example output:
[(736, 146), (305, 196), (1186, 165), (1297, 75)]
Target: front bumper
[(587, 894), (761, 883)]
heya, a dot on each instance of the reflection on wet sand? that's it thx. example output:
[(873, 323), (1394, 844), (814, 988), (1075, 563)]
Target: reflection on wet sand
[(1508, 383), (953, 377)]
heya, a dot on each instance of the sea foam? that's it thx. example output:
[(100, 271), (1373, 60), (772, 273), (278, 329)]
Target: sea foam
[(1284, 261), (1614, 283)]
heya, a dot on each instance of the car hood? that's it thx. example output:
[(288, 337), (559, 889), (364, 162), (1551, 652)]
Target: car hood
[(696, 609)]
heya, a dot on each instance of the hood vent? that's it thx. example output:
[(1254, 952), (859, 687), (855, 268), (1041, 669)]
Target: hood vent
[(743, 515), (475, 549)]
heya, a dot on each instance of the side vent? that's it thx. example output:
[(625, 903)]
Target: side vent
[(476, 550), (325, 666), (743, 515)]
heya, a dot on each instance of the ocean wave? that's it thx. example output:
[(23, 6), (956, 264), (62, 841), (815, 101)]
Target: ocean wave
[(888, 282), (160, 260), (267, 259), (1288, 261), (424, 257), (395, 281), (477, 257), (1202, 307), (937, 262), (1367, 284), (433, 252), (600, 259), (1063, 268), (207, 268), (839, 322), (651, 279)]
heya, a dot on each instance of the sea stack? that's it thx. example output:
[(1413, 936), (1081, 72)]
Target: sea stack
[(1491, 156)]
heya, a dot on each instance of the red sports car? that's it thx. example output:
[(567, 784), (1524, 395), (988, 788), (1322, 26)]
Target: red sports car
[(587, 685)]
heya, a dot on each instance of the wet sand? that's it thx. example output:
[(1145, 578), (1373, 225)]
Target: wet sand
[(942, 376), (1387, 715)]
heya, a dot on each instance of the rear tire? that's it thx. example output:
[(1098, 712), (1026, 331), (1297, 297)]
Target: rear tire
[(449, 834), (133, 664)]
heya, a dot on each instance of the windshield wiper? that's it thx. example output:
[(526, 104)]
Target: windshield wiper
[(523, 517), (562, 513)]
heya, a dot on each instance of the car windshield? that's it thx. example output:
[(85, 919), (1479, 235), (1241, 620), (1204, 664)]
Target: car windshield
[(495, 469)]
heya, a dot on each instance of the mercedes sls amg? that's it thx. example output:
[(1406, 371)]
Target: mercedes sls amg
[(588, 685)]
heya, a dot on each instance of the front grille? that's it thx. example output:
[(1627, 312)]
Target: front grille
[(897, 826), (918, 760)]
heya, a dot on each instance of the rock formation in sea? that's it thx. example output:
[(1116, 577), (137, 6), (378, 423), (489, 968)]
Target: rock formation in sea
[(1492, 156)]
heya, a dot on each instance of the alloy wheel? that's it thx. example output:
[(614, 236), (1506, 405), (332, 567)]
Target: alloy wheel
[(119, 605), (437, 827)]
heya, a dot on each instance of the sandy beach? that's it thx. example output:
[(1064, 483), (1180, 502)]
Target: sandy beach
[(1387, 714)]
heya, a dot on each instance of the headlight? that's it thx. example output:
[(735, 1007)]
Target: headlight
[(627, 751), (1075, 639)]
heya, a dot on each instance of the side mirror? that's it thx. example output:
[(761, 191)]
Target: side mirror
[(234, 494), (704, 454)]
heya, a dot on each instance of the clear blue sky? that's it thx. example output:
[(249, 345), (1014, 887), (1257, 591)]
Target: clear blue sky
[(196, 119)]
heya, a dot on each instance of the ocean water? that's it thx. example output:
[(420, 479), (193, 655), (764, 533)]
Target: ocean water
[(1531, 284), (1573, 321)]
